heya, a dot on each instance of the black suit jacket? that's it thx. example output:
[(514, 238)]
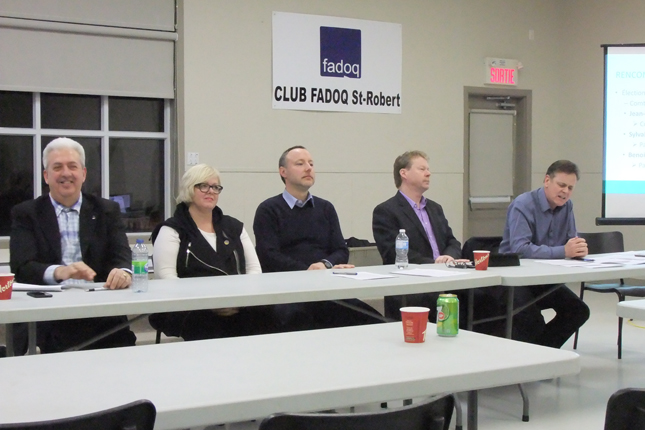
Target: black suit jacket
[(35, 245), (35, 238), (396, 213)]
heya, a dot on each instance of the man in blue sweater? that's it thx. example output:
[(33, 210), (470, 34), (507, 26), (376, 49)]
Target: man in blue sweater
[(295, 231)]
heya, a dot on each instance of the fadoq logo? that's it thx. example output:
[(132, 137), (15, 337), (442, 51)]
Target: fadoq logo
[(340, 52)]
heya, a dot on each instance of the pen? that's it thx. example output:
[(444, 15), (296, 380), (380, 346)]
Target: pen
[(344, 273), (583, 259), (99, 289)]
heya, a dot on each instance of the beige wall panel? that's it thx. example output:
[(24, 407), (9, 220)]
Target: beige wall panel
[(142, 14), (587, 26), (226, 79), (225, 74)]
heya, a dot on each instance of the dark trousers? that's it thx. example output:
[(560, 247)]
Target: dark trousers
[(58, 336), (324, 314), (529, 325), (208, 324), (393, 304)]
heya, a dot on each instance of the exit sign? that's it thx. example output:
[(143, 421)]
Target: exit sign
[(501, 71)]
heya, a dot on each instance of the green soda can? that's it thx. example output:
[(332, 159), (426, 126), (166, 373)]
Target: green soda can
[(447, 315)]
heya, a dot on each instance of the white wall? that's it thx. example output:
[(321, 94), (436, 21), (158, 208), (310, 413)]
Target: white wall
[(225, 113), (225, 98), (587, 25), (224, 95)]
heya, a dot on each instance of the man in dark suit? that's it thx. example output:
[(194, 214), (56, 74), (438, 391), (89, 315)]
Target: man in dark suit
[(72, 237), (431, 238)]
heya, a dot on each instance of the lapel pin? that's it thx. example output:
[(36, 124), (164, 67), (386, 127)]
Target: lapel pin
[(226, 242)]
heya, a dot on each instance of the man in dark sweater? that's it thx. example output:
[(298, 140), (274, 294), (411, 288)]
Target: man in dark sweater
[(295, 231)]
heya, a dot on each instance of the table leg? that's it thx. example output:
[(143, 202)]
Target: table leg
[(9, 334), (459, 425), (471, 309), (31, 336), (114, 329), (363, 311), (31, 330), (525, 403), (472, 410), (510, 293)]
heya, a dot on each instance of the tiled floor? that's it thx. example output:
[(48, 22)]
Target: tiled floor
[(576, 402), (570, 402)]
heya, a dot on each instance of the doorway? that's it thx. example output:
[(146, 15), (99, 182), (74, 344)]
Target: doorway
[(497, 156)]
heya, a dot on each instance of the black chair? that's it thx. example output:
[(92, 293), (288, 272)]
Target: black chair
[(599, 243), (139, 415), (626, 410), (433, 414), (157, 322), (484, 243)]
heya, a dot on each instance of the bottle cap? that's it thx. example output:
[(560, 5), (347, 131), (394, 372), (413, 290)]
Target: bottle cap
[(402, 230), (139, 240)]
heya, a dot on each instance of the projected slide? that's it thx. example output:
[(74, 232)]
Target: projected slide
[(624, 157)]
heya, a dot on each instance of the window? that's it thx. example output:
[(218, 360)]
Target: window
[(126, 142)]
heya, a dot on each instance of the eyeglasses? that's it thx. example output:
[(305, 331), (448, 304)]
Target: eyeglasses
[(205, 187)]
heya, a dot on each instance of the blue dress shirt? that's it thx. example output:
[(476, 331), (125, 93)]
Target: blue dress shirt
[(534, 230)]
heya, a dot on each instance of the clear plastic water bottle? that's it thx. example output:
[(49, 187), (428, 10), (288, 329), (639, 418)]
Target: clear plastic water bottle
[(402, 245), (139, 267)]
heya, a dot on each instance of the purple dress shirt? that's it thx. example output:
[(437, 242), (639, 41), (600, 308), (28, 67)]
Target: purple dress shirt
[(421, 212)]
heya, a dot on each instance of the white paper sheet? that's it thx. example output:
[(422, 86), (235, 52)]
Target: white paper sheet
[(362, 276), (29, 287), (87, 286), (596, 263), (431, 273)]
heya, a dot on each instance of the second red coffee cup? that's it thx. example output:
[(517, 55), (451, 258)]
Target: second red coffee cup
[(415, 323), (481, 259), (6, 285)]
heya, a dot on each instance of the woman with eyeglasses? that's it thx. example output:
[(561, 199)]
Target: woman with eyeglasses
[(199, 240)]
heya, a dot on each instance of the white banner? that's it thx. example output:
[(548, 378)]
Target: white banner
[(328, 63)]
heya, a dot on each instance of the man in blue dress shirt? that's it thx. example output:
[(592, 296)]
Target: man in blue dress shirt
[(540, 224)]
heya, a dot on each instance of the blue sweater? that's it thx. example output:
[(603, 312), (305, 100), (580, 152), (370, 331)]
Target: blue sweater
[(293, 239)]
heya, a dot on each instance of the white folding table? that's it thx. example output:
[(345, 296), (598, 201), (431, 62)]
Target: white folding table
[(634, 309), (533, 272), (234, 379), (230, 291)]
